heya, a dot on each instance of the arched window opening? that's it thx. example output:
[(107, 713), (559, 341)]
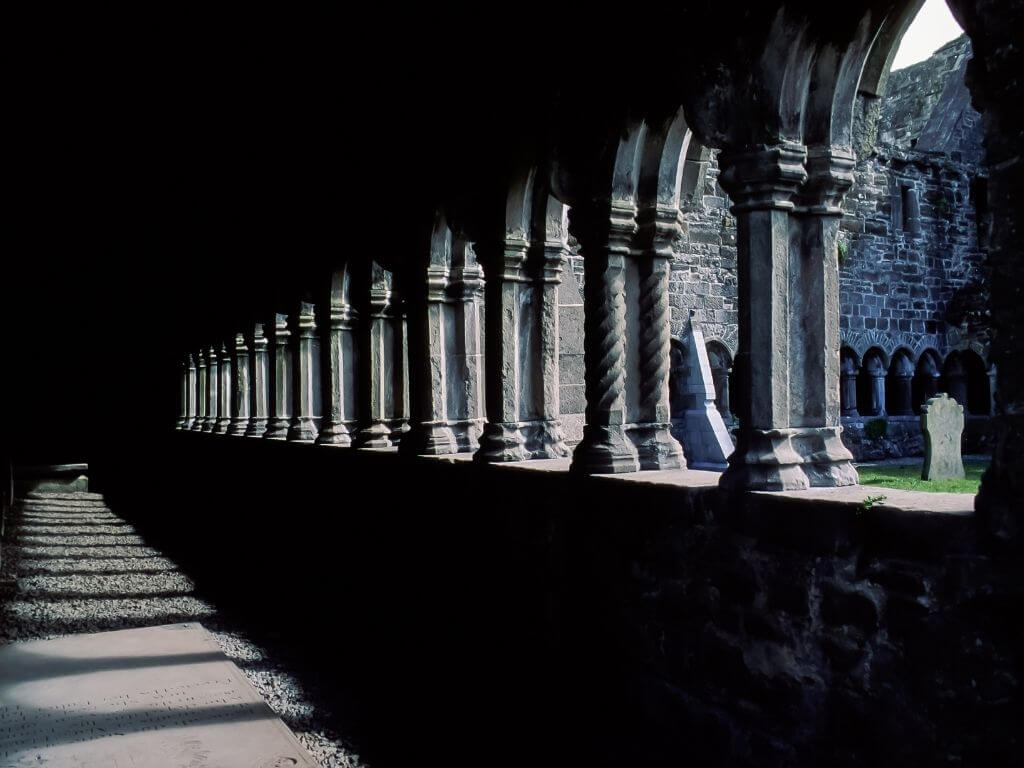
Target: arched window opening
[(978, 401), (871, 383), (899, 387), (954, 378), (926, 378)]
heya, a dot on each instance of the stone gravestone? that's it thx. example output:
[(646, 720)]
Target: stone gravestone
[(156, 697), (942, 422)]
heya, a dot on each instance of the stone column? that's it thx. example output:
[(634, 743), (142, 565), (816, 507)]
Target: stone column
[(605, 237), (226, 384), (547, 441), (503, 438), (762, 185), (466, 374), (398, 403), (848, 387), (281, 413), (259, 397), (814, 319), (212, 390), (190, 420), (183, 403), (876, 381), (901, 396), (241, 394), (303, 427), (200, 422), (523, 343), (656, 447), (426, 289), (376, 348), (341, 345)]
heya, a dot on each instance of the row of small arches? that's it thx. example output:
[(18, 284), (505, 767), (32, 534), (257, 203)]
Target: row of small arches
[(898, 385)]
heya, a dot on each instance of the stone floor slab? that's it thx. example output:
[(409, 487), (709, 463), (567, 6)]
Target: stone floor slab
[(135, 698)]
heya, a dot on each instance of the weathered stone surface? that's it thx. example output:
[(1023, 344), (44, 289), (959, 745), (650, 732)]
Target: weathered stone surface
[(699, 425), (159, 697), (281, 381), (942, 422), (306, 376), (260, 384)]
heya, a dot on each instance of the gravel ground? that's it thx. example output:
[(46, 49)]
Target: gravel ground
[(80, 568)]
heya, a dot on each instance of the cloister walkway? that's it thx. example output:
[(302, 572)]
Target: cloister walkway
[(80, 567)]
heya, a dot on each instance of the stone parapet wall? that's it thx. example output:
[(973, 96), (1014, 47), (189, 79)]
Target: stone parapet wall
[(892, 437), (619, 621)]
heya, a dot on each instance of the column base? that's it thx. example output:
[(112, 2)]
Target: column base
[(544, 440), (604, 450), (467, 434), (197, 426), (221, 426), (277, 429), (182, 424), (429, 439), (208, 426), (827, 462), (335, 434), (377, 435), (656, 448), (765, 460), (399, 428), (502, 441), (302, 430), (256, 428), (239, 425)]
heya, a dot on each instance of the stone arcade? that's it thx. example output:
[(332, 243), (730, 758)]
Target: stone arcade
[(478, 504)]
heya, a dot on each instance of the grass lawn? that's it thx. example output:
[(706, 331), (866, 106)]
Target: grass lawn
[(908, 478)]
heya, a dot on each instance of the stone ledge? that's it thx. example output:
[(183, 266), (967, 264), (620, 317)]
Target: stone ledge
[(820, 518)]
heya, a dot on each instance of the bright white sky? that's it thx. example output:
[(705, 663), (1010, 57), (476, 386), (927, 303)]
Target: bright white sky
[(933, 28)]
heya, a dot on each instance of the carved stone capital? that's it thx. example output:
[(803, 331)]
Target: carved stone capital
[(437, 283), (764, 179), (553, 258), (657, 229), (829, 178), (305, 321)]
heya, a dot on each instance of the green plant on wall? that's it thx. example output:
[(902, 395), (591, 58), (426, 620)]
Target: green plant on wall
[(844, 252)]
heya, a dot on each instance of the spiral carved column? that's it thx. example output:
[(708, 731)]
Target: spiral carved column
[(656, 447), (606, 244)]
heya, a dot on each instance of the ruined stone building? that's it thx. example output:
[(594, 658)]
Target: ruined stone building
[(311, 311)]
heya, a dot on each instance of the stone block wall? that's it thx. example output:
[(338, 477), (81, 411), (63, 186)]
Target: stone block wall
[(567, 620), (910, 253), (913, 236)]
